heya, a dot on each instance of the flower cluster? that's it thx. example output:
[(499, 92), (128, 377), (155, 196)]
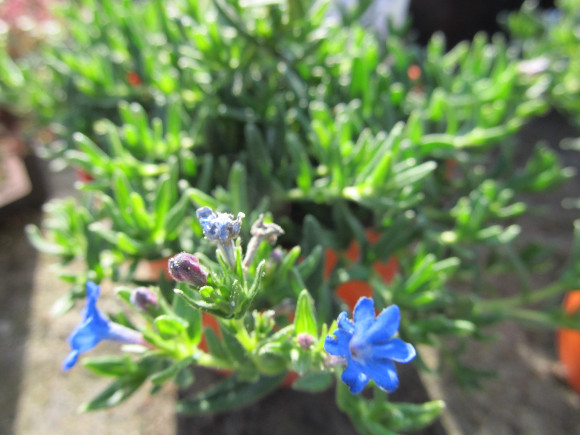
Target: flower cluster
[(221, 228), (369, 346)]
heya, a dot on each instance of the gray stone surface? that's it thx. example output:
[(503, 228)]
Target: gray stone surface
[(36, 397)]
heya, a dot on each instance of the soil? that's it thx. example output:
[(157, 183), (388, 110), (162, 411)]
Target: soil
[(36, 398)]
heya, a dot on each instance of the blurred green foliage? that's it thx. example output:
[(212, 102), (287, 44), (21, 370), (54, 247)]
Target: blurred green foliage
[(257, 106)]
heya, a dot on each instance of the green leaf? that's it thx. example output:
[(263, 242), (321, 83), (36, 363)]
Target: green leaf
[(233, 348), (313, 382), (413, 174), (41, 243), (110, 365), (176, 216), (140, 212), (193, 317), (162, 201), (173, 370), (63, 304), (238, 188), (255, 288), (407, 416), (202, 199), (229, 394), (288, 261), (170, 326), (305, 317), (310, 263), (214, 344), (115, 393)]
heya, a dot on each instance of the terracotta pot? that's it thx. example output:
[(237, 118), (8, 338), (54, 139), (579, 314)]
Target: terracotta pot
[(151, 270), (569, 343)]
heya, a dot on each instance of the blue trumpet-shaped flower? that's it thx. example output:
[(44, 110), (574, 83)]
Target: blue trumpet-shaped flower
[(369, 346), (96, 327)]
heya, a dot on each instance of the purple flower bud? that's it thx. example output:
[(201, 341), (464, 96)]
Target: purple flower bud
[(305, 340), (277, 255), (144, 298), (185, 267)]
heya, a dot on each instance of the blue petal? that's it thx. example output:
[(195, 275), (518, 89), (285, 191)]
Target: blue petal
[(345, 323), (386, 325), (384, 373), (364, 315), (70, 360), (395, 349), (204, 213), (338, 346), (93, 292), (87, 335), (122, 334), (354, 377)]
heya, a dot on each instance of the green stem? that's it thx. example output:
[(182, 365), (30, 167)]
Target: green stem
[(522, 314), (521, 269), (528, 298), (210, 361), (243, 336)]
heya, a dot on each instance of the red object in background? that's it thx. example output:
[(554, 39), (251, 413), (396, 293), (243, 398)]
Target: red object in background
[(83, 176), (133, 78), (569, 343), (451, 166), (414, 72), (12, 10), (211, 322), (351, 291)]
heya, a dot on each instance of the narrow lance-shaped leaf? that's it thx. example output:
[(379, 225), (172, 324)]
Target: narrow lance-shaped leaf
[(237, 186), (305, 318), (163, 376), (229, 394), (116, 393)]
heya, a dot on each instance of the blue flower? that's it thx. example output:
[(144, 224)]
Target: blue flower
[(369, 346), (219, 227), (95, 327)]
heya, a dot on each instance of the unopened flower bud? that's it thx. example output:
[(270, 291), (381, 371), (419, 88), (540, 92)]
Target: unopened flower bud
[(144, 298), (277, 255), (305, 340), (185, 267)]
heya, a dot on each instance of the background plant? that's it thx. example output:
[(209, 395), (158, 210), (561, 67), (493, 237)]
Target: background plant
[(171, 106)]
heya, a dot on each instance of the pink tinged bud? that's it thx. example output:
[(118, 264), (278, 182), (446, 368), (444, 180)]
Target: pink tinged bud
[(185, 267), (277, 255), (305, 340), (144, 298)]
